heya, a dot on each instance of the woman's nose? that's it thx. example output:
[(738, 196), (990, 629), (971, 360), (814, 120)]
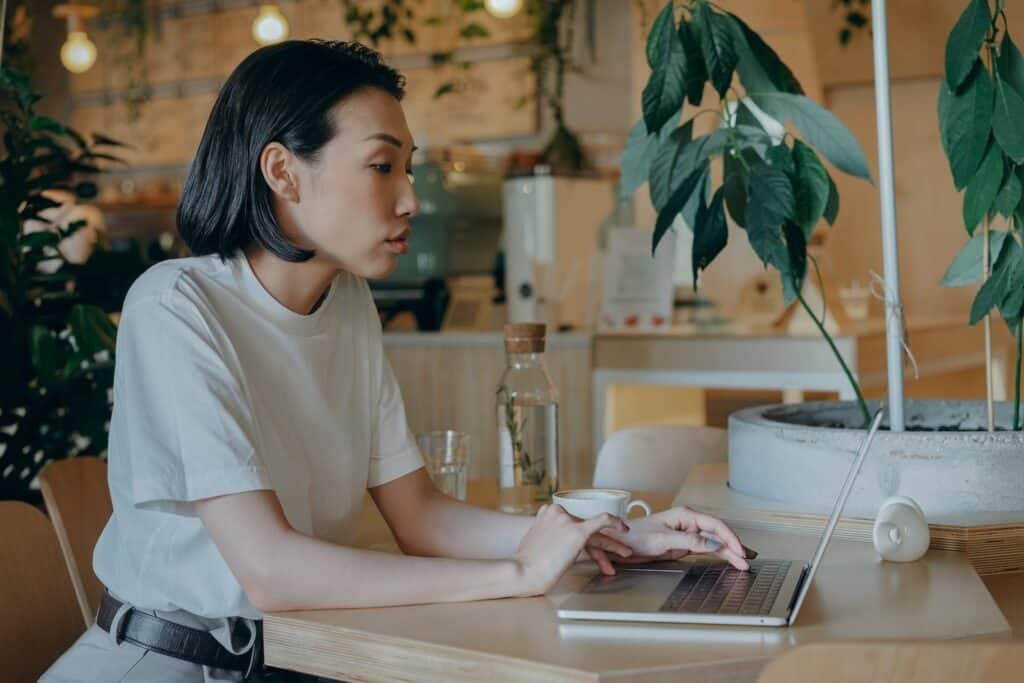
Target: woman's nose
[(408, 204)]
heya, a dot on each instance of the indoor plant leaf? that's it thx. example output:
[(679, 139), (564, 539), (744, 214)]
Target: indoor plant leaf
[(664, 160), (663, 95), (1011, 63), (663, 26), (967, 267), (811, 188), (675, 204), (819, 127), (636, 158), (696, 72), (965, 41), (770, 203), (983, 188), (710, 234), (716, 46), (759, 67), (832, 205), (1006, 121), (796, 252), (965, 122), (1009, 197), (994, 290)]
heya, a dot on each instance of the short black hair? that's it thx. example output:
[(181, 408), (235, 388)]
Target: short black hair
[(280, 93)]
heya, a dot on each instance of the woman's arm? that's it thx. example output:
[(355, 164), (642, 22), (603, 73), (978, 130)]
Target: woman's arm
[(282, 569)]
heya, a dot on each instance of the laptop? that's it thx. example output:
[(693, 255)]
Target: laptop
[(704, 592)]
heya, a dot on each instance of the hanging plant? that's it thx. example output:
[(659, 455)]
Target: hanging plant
[(774, 185), (981, 106), (855, 17)]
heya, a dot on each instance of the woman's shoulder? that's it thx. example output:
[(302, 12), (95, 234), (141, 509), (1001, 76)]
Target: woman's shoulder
[(170, 282)]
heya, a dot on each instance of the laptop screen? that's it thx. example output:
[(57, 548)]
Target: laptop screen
[(837, 510)]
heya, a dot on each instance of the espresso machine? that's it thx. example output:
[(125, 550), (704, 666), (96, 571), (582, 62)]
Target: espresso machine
[(551, 243)]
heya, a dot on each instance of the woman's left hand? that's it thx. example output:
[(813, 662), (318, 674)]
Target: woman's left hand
[(673, 534)]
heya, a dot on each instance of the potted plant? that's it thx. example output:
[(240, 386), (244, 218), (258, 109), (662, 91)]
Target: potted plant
[(777, 190), (57, 348)]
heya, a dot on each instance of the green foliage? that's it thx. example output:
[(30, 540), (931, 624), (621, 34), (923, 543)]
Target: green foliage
[(778, 190), (981, 105), (57, 348)]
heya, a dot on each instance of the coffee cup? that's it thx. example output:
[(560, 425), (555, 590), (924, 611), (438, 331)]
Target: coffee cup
[(587, 503)]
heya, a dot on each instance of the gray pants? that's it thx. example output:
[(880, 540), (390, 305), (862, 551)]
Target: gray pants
[(97, 658)]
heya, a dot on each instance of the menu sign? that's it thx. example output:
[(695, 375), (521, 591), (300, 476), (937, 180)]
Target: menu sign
[(638, 289)]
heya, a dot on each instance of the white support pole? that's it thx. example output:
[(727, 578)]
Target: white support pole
[(890, 254)]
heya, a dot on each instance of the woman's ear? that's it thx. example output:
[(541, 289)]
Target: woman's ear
[(278, 167)]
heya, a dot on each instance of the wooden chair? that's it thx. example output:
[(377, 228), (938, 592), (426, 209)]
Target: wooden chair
[(39, 616), (657, 457), (899, 662), (78, 500)]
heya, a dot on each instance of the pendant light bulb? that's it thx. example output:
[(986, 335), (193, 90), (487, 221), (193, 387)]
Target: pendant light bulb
[(78, 53), (270, 26), (503, 9)]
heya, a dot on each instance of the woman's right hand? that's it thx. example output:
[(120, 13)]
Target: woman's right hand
[(552, 544)]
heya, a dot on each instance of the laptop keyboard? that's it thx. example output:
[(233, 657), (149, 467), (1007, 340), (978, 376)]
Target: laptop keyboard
[(723, 589)]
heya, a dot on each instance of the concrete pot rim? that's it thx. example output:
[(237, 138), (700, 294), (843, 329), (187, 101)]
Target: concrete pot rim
[(822, 416)]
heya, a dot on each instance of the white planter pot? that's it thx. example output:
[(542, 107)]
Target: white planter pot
[(958, 473)]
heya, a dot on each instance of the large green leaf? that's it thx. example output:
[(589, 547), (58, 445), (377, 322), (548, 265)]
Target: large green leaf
[(676, 202), (968, 267), (965, 41), (995, 289), (44, 353), (663, 95), (819, 127), (796, 268), (734, 183), (698, 201), (832, 205), (636, 157), (781, 158), (1009, 197), (760, 68), (663, 26), (696, 71), (770, 204), (1006, 121), (983, 188), (716, 45), (811, 188), (691, 155), (710, 234), (1011, 64), (965, 121), (1013, 299), (664, 163)]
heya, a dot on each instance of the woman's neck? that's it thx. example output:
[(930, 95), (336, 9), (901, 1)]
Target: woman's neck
[(299, 287)]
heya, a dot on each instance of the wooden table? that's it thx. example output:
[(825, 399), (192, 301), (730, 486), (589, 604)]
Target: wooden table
[(854, 597)]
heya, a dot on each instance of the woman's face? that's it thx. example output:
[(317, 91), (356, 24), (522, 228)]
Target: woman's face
[(355, 200)]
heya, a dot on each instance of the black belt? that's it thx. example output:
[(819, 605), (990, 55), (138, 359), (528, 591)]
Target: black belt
[(178, 641)]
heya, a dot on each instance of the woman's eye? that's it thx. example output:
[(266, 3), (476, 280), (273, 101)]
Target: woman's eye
[(381, 168)]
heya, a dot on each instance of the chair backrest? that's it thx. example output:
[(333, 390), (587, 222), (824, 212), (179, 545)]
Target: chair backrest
[(657, 457), (78, 500), (899, 662), (39, 617)]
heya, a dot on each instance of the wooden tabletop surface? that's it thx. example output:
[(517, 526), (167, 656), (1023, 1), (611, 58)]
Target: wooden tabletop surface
[(855, 596)]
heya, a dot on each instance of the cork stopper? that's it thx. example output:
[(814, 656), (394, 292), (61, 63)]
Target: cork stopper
[(525, 337)]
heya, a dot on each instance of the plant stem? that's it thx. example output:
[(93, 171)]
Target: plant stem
[(986, 258), (846, 369), (1016, 379)]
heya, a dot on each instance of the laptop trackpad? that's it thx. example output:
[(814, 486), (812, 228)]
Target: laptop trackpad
[(629, 591)]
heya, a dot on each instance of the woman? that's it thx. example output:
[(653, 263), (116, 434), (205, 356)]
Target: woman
[(253, 404)]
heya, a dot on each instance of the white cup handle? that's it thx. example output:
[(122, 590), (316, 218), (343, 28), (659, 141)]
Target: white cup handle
[(640, 504)]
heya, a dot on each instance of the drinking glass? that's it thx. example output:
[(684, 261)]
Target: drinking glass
[(446, 454)]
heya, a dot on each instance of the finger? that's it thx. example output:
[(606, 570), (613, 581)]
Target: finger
[(732, 558), (599, 540), (601, 558), (693, 542), (719, 529), (602, 521)]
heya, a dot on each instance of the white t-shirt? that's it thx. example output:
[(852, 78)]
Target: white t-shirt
[(220, 389)]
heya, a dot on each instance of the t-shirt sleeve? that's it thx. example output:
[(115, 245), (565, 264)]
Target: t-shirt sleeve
[(396, 453), (186, 423)]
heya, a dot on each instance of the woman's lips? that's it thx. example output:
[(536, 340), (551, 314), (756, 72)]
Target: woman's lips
[(399, 245)]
